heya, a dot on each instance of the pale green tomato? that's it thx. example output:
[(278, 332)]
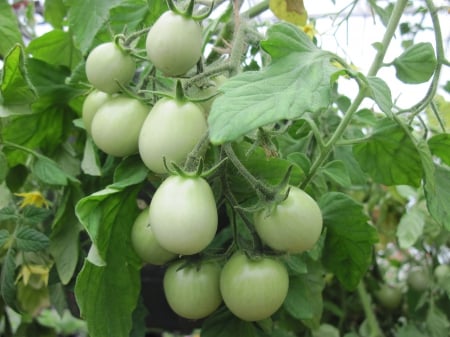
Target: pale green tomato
[(193, 291), (91, 105), (145, 244), (106, 65), (117, 124), (183, 215), (171, 130), (174, 43), (389, 296), (253, 290), (442, 275), (418, 278), (293, 226)]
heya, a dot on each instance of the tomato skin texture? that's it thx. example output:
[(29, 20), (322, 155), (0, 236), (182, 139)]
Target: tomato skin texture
[(295, 224), (116, 125), (193, 292), (174, 43), (418, 279), (389, 296), (145, 244), (253, 290), (171, 130), (183, 215), (91, 104), (107, 64)]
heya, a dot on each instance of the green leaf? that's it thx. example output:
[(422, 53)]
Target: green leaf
[(34, 215), (8, 213), (437, 322), (337, 172), (297, 81), (223, 323), (439, 146), (8, 279), (86, 18), (381, 94), (410, 228), (4, 237), (107, 294), (54, 12), (48, 172), (16, 90), (416, 64), (390, 156), (345, 154), (55, 47), (90, 163), (409, 331), (304, 299), (130, 171), (30, 240), (9, 28), (296, 263), (349, 239), (3, 167)]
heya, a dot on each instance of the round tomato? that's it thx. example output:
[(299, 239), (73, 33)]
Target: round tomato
[(145, 244), (183, 214), (293, 226), (171, 130), (174, 43), (91, 105), (418, 279), (116, 125), (389, 296), (442, 274), (106, 65), (253, 289), (193, 291)]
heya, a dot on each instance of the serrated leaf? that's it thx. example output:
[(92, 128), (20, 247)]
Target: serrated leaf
[(410, 228), (381, 94), (223, 323), (48, 172), (337, 172), (16, 89), (9, 28), (55, 47), (8, 278), (390, 156), (34, 215), (416, 64), (4, 237), (86, 18), (29, 239), (107, 294), (8, 213), (297, 80), (348, 243), (439, 146)]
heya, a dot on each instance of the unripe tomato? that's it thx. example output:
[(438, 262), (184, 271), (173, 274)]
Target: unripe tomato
[(253, 290), (174, 43), (389, 296), (106, 65), (91, 105), (293, 226), (171, 130), (193, 291), (442, 274), (117, 124), (183, 214), (145, 244), (418, 278)]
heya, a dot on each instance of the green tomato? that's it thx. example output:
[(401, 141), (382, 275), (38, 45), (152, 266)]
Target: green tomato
[(91, 104), (442, 274), (116, 125), (253, 290), (183, 214), (418, 279), (106, 65), (174, 43), (389, 296), (171, 130), (145, 244), (293, 226), (193, 291)]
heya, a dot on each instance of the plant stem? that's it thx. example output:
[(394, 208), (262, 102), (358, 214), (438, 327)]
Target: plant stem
[(366, 301), (194, 156)]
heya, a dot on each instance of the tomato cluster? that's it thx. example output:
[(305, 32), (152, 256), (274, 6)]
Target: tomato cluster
[(182, 218)]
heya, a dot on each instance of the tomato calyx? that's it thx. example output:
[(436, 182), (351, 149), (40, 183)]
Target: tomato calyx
[(188, 12)]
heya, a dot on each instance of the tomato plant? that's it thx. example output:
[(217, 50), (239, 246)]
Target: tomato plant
[(183, 214), (192, 291), (145, 244), (390, 296), (253, 290), (116, 125), (293, 226), (107, 67)]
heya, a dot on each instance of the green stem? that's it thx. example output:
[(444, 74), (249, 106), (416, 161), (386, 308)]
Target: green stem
[(197, 153), (376, 65), (366, 301)]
